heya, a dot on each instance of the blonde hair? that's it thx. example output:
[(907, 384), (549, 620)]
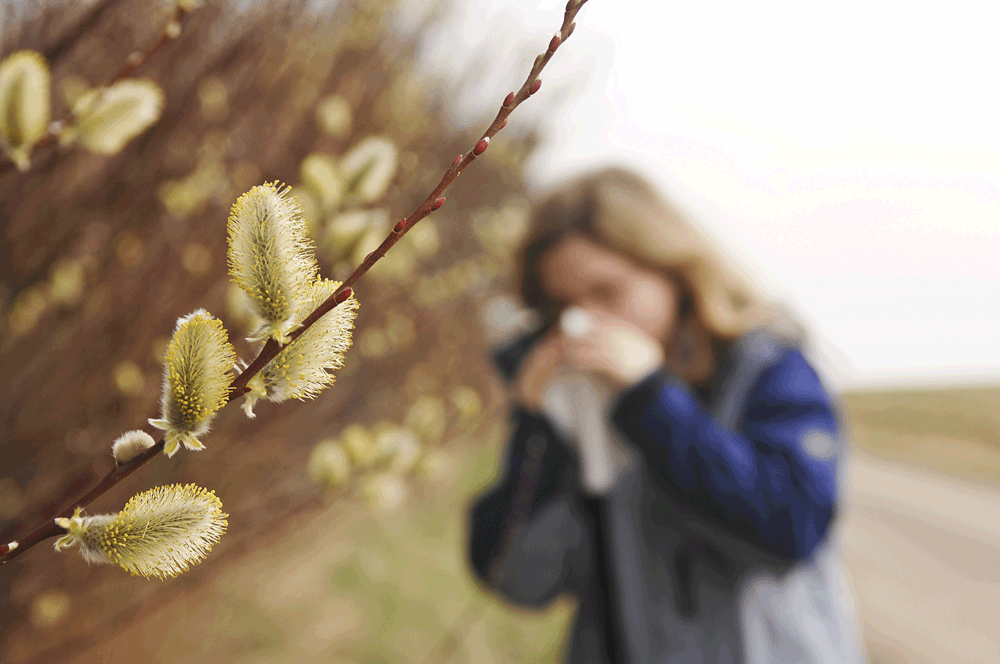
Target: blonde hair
[(618, 209)]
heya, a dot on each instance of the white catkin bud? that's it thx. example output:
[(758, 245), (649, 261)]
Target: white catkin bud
[(305, 367), (271, 258), (131, 444), (196, 377), (160, 532)]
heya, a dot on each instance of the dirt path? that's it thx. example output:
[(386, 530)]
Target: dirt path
[(923, 551)]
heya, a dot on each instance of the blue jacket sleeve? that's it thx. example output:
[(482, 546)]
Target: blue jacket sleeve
[(774, 481)]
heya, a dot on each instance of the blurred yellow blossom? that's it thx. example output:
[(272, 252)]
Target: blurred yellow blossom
[(369, 167), (24, 104), (129, 249), (428, 418), (329, 464), (49, 608), (197, 259), (213, 99), (128, 378), (383, 491), (320, 174), (333, 114), (360, 445), (108, 118), (424, 238), (66, 281), (467, 402)]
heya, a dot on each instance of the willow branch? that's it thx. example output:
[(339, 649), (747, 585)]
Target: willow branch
[(135, 60), (271, 348)]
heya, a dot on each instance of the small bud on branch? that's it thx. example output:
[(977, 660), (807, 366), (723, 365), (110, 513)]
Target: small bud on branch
[(130, 445), (344, 295)]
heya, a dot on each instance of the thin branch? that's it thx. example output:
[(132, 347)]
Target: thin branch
[(271, 348), (135, 60)]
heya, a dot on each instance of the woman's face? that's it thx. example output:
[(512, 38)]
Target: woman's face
[(578, 271)]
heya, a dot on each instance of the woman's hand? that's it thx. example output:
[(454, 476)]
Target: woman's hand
[(618, 350), (536, 370)]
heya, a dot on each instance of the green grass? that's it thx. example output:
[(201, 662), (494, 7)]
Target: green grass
[(955, 431)]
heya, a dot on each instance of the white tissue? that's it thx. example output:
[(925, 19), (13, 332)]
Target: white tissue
[(575, 322)]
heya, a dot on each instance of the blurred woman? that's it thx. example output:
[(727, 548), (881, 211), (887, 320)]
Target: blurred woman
[(675, 458)]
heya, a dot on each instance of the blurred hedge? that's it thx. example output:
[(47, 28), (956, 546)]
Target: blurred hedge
[(102, 254)]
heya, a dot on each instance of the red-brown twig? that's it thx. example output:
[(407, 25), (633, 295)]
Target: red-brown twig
[(132, 63), (271, 348)]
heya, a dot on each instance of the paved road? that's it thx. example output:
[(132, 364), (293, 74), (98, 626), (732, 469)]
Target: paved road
[(923, 553)]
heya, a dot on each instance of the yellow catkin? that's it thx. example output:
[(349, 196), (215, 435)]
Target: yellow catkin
[(305, 367), (160, 532), (272, 258), (197, 374)]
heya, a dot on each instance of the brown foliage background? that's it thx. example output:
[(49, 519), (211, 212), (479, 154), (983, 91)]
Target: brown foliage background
[(83, 219)]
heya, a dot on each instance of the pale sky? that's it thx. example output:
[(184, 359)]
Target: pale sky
[(848, 153)]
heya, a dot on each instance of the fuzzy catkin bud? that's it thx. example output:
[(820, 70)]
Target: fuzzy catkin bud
[(24, 104), (196, 377), (304, 368), (131, 444), (160, 532), (271, 258), (108, 118)]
